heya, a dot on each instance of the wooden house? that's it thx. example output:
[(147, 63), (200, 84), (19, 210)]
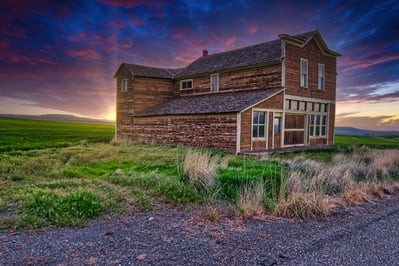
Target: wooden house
[(266, 96)]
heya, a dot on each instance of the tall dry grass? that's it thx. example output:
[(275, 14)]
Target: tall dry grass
[(200, 170), (360, 176), (250, 199)]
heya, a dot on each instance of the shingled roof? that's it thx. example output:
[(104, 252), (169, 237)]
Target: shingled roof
[(226, 102), (247, 56)]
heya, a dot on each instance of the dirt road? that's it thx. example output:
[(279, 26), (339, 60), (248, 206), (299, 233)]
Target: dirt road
[(365, 235)]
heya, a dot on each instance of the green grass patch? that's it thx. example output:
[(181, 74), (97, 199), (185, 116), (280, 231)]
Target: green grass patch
[(242, 171), (23, 134), (71, 209)]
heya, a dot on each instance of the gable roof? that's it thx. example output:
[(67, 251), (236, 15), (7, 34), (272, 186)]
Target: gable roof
[(146, 71), (214, 103)]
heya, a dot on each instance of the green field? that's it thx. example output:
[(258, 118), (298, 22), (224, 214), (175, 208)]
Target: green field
[(370, 141), (63, 173), (23, 134)]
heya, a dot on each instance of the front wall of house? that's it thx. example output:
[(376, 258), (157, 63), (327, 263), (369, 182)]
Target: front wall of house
[(312, 53), (314, 56), (243, 79), (216, 131)]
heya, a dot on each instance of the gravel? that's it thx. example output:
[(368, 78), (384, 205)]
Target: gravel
[(364, 235)]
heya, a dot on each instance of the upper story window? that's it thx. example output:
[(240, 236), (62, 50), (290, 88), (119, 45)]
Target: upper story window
[(304, 73), (214, 82), (124, 85), (320, 77), (186, 84)]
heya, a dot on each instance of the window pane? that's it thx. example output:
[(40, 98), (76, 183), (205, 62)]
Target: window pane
[(276, 125), (261, 118), (324, 120), (317, 120), (311, 120), (255, 131), (261, 131), (311, 129), (255, 118), (323, 130), (317, 133)]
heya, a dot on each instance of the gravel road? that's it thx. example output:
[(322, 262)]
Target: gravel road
[(364, 235)]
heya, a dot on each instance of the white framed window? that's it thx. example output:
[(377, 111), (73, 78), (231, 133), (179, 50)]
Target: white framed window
[(258, 124), (214, 82), (304, 73), (124, 85), (320, 77), (317, 125), (186, 84)]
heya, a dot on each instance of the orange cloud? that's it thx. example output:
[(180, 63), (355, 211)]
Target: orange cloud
[(88, 54)]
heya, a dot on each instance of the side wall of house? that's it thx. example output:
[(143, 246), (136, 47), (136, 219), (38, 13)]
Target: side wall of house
[(271, 105), (216, 131), (311, 52), (242, 79), (124, 103), (142, 93)]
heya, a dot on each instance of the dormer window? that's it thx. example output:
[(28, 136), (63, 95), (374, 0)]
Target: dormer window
[(304, 73), (186, 84), (320, 77), (214, 82), (124, 85)]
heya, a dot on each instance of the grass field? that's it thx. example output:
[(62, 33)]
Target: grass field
[(23, 134), (55, 173), (370, 141)]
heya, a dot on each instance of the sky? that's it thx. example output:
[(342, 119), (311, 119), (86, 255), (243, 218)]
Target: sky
[(59, 57)]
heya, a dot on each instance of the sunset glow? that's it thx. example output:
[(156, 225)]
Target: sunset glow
[(60, 58)]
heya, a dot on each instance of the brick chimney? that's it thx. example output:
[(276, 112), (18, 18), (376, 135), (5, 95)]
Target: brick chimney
[(204, 52)]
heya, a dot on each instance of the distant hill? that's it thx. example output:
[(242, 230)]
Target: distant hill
[(357, 131), (57, 117)]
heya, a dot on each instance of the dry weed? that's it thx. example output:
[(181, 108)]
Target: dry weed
[(250, 198), (303, 205)]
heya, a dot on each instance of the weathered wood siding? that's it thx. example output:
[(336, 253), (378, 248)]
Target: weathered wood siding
[(142, 93), (243, 79), (312, 53), (149, 92), (216, 131), (124, 103)]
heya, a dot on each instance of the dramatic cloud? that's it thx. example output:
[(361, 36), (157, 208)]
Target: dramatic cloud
[(61, 56)]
